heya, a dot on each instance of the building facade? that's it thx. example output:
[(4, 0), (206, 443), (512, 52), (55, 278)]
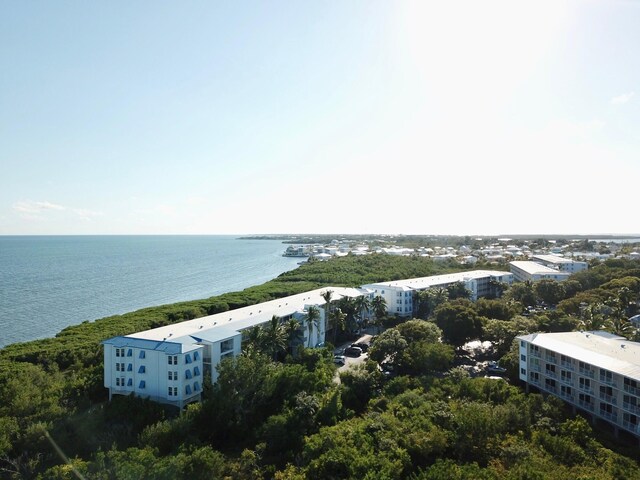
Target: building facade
[(524, 271), (560, 263), (399, 294), (596, 372), (168, 364)]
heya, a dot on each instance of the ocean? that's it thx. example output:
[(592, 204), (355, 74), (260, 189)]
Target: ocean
[(50, 282)]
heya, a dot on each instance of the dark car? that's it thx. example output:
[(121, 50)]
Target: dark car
[(363, 346), (353, 351), (494, 368)]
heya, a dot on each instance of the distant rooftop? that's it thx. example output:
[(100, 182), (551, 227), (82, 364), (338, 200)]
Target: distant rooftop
[(435, 280), (555, 259), (533, 268)]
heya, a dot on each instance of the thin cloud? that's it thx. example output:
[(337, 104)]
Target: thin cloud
[(624, 98), (35, 207), (85, 214)]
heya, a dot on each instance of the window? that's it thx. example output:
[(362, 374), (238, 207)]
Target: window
[(565, 376), (172, 359), (606, 376), (565, 391), (119, 381), (130, 367), (119, 352), (141, 354), (523, 357), (170, 391), (196, 356), (226, 345), (523, 371), (522, 343), (175, 391), (196, 371), (550, 384), (129, 353), (585, 383), (142, 384), (187, 358), (187, 390), (196, 387), (187, 374), (142, 369), (172, 375), (119, 367), (130, 382)]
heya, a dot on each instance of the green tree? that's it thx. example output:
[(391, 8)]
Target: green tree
[(550, 291), (459, 322), (363, 305), (388, 346), (379, 306), (274, 337), (312, 319)]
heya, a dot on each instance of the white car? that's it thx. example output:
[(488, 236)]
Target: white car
[(339, 359)]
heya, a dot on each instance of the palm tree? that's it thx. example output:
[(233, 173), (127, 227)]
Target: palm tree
[(592, 318), (338, 322), (274, 337), (312, 319), (348, 307), (293, 333), (363, 304), (328, 296), (379, 305), (252, 339), (617, 322)]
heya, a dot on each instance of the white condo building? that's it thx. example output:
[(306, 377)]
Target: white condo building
[(168, 364), (399, 297), (561, 263), (532, 271), (597, 372)]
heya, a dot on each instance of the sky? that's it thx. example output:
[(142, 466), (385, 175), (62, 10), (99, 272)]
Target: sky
[(401, 117)]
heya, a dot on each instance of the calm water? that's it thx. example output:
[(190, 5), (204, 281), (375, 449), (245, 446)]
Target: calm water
[(48, 283)]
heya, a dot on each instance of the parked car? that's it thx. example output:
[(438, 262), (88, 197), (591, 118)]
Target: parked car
[(363, 346), (353, 351), (494, 368), (339, 359)]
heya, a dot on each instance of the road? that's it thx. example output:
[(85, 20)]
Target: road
[(351, 361)]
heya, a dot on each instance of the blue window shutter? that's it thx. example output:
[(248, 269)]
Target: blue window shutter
[(141, 369), (142, 384), (141, 353), (130, 368), (130, 382)]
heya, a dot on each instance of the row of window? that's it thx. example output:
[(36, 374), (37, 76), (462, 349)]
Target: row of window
[(120, 352), (406, 309), (173, 375), (120, 382), (173, 391)]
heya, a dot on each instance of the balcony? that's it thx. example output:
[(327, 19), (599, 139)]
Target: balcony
[(551, 389), (612, 417), (535, 368), (550, 359), (585, 389), (630, 407), (535, 354), (586, 405), (632, 427), (608, 381), (566, 396), (550, 374), (631, 390), (566, 365), (566, 380), (609, 398), (587, 373)]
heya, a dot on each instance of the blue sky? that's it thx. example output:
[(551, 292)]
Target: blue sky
[(457, 117)]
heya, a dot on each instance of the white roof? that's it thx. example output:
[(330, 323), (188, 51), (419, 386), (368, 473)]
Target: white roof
[(555, 259), (435, 280), (223, 325), (601, 349), (533, 268)]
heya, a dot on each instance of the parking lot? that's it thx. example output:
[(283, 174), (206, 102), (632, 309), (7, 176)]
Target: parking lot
[(351, 361)]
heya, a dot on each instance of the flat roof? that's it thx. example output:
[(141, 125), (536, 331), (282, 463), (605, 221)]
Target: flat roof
[(435, 280), (601, 349), (553, 259), (534, 268), (221, 325)]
